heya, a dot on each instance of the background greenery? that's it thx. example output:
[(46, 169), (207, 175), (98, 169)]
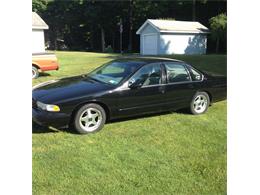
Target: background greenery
[(93, 25), (170, 153)]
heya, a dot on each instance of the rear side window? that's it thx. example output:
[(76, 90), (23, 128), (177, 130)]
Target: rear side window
[(196, 76), (176, 73)]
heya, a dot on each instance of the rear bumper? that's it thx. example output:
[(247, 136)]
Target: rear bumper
[(49, 67), (55, 119)]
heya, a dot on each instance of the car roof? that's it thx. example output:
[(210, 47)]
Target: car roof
[(146, 59)]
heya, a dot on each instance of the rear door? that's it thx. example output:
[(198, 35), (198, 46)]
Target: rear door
[(179, 89)]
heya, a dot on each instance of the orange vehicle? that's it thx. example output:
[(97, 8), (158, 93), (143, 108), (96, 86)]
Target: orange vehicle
[(42, 62)]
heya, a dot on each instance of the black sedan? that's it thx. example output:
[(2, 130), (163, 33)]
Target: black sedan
[(125, 87)]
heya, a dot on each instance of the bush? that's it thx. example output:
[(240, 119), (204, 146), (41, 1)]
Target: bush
[(109, 49), (218, 27)]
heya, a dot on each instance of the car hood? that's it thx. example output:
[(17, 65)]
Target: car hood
[(67, 88)]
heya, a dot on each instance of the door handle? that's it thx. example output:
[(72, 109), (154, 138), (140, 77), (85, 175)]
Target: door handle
[(162, 89), (190, 85)]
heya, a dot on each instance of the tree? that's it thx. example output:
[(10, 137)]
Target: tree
[(102, 20), (130, 9), (39, 5), (93, 24), (218, 26), (65, 24), (193, 10)]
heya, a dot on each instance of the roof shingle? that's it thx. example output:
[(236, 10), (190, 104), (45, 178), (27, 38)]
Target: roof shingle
[(175, 26)]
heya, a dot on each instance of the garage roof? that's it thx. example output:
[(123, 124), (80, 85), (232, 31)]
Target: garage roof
[(174, 26), (37, 22)]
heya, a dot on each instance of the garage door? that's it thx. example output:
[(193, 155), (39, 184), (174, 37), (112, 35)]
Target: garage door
[(150, 44)]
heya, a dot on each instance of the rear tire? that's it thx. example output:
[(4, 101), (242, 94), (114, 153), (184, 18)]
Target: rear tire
[(199, 103), (35, 72), (89, 118)]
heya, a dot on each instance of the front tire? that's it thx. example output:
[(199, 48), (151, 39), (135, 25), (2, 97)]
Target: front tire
[(89, 118), (200, 103), (35, 72)]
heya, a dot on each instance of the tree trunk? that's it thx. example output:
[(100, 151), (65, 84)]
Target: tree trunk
[(217, 45), (102, 39), (121, 38), (92, 42), (130, 25), (193, 10), (113, 41), (55, 40), (92, 39)]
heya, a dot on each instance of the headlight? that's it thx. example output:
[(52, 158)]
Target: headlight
[(48, 107)]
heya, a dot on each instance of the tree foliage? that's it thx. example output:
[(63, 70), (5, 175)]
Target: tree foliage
[(39, 5), (218, 27), (93, 24)]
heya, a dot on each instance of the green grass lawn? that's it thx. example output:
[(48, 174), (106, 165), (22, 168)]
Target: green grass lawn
[(174, 153)]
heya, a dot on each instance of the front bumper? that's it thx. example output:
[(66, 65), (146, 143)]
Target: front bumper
[(45, 118)]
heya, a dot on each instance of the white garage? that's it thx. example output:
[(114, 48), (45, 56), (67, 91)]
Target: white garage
[(160, 37), (38, 27)]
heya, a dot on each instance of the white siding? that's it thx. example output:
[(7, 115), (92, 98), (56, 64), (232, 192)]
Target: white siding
[(182, 44), (38, 44)]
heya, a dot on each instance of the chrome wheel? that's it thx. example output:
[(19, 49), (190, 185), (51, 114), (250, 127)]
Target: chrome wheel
[(33, 73), (90, 119), (200, 103)]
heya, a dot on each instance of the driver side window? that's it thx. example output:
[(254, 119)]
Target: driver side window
[(148, 75)]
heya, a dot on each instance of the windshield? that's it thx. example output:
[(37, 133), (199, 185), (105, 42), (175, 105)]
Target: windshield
[(114, 72)]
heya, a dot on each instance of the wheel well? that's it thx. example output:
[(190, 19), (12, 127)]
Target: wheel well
[(104, 106), (209, 94), (34, 65)]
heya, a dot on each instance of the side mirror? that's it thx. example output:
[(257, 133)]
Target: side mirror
[(135, 84), (155, 74)]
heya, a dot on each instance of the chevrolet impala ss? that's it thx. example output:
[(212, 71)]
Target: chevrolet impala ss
[(125, 87)]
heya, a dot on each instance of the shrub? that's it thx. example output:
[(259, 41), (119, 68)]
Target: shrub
[(109, 49)]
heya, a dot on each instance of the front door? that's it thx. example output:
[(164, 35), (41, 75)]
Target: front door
[(148, 94)]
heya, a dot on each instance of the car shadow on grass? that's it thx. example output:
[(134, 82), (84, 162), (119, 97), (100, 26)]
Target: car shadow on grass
[(44, 74), (37, 129), (181, 111), (42, 129)]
